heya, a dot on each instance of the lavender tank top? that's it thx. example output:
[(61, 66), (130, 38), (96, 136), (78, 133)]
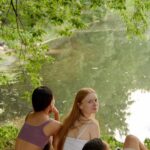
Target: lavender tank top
[(34, 134)]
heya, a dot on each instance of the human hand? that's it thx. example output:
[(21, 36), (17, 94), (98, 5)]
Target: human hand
[(56, 113)]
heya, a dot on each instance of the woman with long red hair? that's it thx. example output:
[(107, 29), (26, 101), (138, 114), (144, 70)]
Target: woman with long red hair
[(80, 125)]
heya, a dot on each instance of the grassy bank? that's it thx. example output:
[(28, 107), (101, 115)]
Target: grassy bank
[(8, 134)]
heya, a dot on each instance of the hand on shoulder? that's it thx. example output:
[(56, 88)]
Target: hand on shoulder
[(55, 111)]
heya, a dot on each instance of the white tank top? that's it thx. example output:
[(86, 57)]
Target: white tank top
[(75, 143)]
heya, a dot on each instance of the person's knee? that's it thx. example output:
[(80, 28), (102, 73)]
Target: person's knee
[(131, 141), (131, 138)]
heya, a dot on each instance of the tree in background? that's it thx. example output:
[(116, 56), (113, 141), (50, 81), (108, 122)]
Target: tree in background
[(25, 25)]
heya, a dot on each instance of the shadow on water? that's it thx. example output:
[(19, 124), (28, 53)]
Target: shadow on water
[(106, 61)]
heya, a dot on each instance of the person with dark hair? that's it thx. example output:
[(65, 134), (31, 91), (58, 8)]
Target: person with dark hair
[(96, 144), (131, 143), (38, 127)]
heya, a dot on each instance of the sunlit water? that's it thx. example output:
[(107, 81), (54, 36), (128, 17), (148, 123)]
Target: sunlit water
[(138, 121)]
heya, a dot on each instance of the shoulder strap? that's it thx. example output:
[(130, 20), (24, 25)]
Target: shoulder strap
[(82, 131), (45, 123)]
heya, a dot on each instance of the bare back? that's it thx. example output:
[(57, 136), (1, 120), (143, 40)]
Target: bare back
[(36, 132), (23, 145)]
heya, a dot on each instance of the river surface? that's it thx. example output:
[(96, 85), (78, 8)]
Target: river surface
[(102, 58)]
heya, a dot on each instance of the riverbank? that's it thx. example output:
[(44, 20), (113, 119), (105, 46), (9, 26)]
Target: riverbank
[(9, 132)]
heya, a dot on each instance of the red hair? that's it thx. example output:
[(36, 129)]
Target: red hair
[(72, 116)]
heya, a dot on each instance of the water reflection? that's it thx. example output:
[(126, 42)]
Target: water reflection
[(107, 62)]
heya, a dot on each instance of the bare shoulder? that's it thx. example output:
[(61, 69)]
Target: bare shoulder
[(94, 123), (55, 124), (94, 129), (53, 127)]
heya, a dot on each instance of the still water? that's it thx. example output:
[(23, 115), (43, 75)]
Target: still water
[(117, 68)]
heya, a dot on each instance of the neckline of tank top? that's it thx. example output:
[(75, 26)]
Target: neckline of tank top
[(72, 138), (41, 124)]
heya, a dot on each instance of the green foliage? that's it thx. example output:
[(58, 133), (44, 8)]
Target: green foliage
[(136, 18), (62, 13), (116, 144), (147, 142), (7, 136), (6, 79), (112, 142), (117, 4), (26, 23)]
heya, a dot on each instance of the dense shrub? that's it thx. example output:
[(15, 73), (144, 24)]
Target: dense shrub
[(8, 134)]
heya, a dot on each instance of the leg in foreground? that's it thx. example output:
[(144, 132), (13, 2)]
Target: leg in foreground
[(133, 143)]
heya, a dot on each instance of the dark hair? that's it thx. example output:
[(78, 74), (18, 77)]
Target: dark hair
[(95, 144), (41, 98)]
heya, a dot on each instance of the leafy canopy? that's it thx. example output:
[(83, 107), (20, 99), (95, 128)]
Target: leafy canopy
[(26, 24)]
